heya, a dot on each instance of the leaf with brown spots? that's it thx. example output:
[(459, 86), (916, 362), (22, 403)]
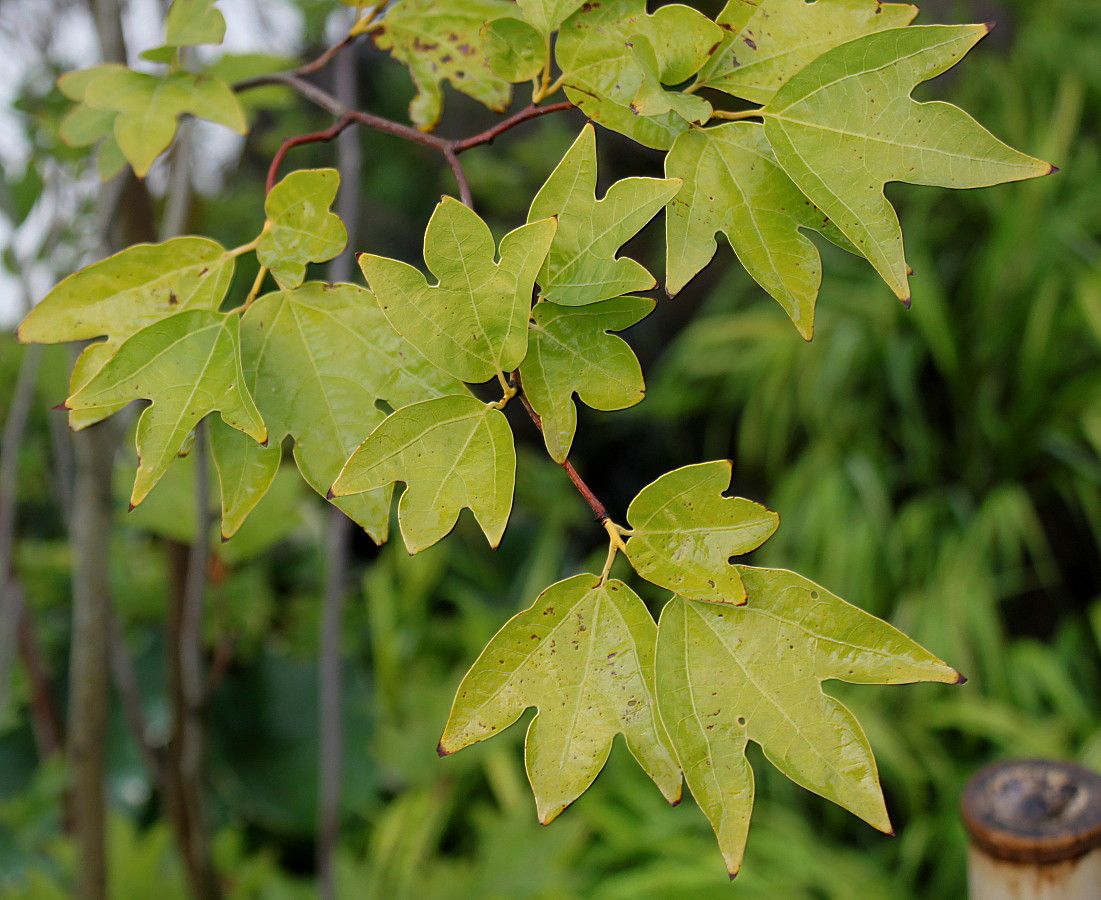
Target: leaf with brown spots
[(768, 42), (441, 40), (583, 654), (729, 675)]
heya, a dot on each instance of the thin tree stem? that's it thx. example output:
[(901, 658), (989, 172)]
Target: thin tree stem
[(183, 781), (346, 114), (337, 544), (600, 512)]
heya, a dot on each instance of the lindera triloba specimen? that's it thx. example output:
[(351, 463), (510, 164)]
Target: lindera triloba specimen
[(807, 116)]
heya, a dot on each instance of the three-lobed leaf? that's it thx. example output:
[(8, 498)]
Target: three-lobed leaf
[(319, 359), (733, 184), (684, 532), (473, 323), (300, 228), (452, 453), (187, 365), (582, 266), (571, 352), (730, 675), (845, 125), (583, 654), (146, 107)]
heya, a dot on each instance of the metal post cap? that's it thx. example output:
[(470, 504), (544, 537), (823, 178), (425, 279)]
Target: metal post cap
[(1033, 810)]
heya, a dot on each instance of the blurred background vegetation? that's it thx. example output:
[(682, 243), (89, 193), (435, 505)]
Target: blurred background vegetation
[(940, 467)]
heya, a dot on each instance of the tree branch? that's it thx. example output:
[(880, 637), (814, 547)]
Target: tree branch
[(598, 508), (449, 149), (337, 548)]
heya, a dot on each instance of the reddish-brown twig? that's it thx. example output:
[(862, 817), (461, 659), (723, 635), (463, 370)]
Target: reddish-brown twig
[(326, 135), (449, 149), (599, 510)]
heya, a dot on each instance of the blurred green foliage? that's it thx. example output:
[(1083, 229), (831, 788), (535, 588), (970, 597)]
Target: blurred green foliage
[(940, 467)]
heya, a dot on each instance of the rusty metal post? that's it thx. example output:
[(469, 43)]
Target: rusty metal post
[(1035, 831)]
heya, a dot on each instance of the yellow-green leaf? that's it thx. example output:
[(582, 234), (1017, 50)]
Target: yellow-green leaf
[(771, 40), (473, 323), (191, 22), (730, 675), (845, 125), (733, 184), (452, 453), (246, 471), (583, 654), (628, 90), (136, 287), (148, 107), (118, 296), (300, 228), (332, 343), (515, 50), (441, 40), (572, 351), (187, 365), (547, 15), (684, 532), (582, 266)]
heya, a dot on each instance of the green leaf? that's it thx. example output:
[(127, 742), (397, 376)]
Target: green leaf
[(582, 654), (473, 323), (233, 67), (547, 15), (684, 532), (188, 365), (616, 60), (733, 184), (148, 106), (246, 471), (120, 295), (582, 266), (845, 125), (571, 350), (191, 22), (729, 675), (136, 287), (300, 229), (515, 50), (451, 452), (82, 125), (332, 343), (442, 41), (770, 41), (169, 510)]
